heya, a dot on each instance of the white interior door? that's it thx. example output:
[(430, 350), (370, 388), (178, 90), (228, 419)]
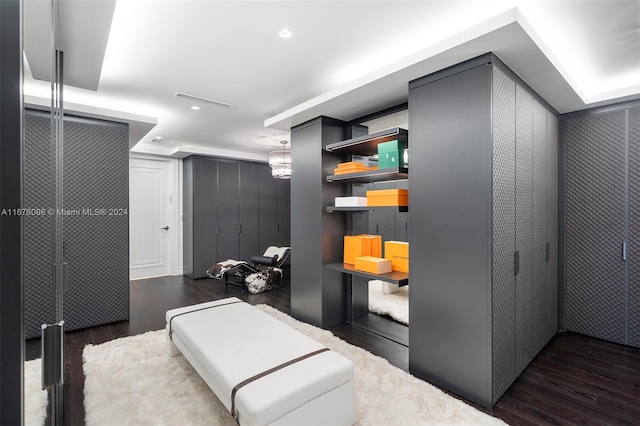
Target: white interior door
[(150, 217)]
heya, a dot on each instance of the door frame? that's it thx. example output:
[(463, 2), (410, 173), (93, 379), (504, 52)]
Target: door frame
[(175, 247)]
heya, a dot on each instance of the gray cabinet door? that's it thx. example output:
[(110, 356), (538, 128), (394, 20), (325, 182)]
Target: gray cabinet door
[(38, 296), (268, 208), (504, 233), (249, 211), (552, 225), (228, 211), (633, 303), (595, 225), (524, 227), (284, 212), (204, 195), (539, 302)]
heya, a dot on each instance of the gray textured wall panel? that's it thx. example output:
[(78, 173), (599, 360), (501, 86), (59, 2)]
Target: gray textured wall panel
[(552, 225), (504, 233), (187, 209), (228, 211), (524, 227), (38, 291), (595, 225), (539, 227), (450, 198), (284, 212), (249, 212), (205, 215), (633, 301), (268, 208), (96, 176)]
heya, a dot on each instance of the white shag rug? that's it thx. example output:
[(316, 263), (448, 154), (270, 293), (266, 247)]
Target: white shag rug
[(35, 399), (395, 305), (132, 381)]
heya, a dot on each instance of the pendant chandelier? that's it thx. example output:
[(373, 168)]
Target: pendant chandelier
[(280, 162)]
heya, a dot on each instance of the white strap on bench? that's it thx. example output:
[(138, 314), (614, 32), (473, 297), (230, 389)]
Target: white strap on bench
[(236, 388)]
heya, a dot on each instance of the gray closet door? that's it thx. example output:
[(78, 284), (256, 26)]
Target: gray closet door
[(595, 225), (504, 233), (205, 215), (249, 211), (284, 212), (552, 225), (268, 209), (633, 301), (228, 211), (96, 175), (38, 298), (539, 227), (524, 227)]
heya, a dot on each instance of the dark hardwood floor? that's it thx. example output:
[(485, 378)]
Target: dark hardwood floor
[(574, 380)]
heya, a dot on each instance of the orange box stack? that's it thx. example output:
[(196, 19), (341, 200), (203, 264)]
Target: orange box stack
[(388, 197), (361, 245)]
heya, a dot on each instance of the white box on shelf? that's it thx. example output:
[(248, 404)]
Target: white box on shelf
[(351, 201)]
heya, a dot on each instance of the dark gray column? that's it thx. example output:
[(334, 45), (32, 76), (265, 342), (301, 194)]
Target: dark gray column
[(11, 280), (318, 295), (450, 256)]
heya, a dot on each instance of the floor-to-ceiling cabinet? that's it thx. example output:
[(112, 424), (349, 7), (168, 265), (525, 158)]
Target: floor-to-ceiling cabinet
[(232, 210), (96, 224), (484, 228), (602, 176)]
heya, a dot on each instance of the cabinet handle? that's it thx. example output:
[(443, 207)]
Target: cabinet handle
[(239, 229), (278, 226), (547, 255), (624, 252), (516, 263), (217, 230)]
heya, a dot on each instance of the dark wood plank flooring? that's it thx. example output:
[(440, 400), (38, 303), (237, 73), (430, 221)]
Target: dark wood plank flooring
[(574, 380)]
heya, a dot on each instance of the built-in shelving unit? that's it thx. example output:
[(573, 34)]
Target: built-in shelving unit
[(394, 277), (366, 208), (367, 145), (380, 175)]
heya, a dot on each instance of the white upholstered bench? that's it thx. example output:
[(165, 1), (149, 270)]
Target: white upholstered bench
[(231, 345)]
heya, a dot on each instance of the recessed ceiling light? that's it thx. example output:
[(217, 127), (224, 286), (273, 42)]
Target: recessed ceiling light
[(195, 107), (285, 33)]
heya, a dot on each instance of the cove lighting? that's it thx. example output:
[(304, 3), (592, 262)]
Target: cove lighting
[(285, 33)]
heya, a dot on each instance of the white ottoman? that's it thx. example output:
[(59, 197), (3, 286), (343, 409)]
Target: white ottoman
[(229, 341)]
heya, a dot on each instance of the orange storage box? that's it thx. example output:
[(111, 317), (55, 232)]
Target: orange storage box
[(374, 265), (361, 245), (352, 167), (388, 197), (398, 253)]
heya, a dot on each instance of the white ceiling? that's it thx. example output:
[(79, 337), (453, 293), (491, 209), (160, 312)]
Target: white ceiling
[(345, 59)]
